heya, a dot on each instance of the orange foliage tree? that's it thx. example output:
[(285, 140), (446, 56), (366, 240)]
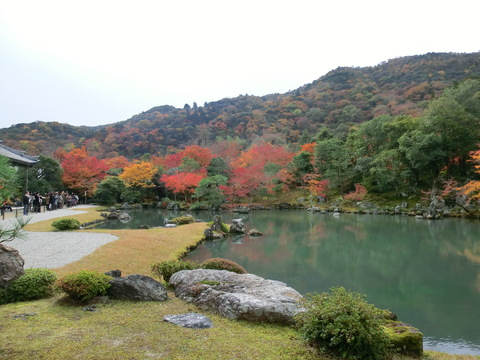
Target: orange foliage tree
[(472, 189), (261, 154), (118, 162), (315, 186), (82, 172), (310, 147)]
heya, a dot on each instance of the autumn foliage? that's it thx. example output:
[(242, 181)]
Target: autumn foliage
[(315, 185), (358, 194), (139, 175), (82, 172), (183, 182), (472, 188)]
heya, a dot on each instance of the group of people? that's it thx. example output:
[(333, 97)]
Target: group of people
[(52, 201)]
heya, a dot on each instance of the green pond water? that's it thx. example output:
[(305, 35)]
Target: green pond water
[(427, 272)]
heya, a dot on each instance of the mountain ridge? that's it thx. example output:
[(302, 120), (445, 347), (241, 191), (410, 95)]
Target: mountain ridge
[(337, 100)]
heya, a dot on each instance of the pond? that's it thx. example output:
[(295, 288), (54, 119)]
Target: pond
[(427, 272)]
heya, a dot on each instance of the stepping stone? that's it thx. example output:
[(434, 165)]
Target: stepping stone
[(190, 320)]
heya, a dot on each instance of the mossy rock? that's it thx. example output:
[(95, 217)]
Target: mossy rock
[(181, 220), (406, 339)]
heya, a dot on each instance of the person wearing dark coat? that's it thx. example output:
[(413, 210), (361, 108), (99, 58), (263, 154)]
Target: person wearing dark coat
[(26, 202)]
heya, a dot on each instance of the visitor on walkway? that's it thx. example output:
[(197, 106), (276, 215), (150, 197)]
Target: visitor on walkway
[(26, 202)]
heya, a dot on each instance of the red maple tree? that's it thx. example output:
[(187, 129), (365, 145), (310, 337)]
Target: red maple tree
[(82, 172)]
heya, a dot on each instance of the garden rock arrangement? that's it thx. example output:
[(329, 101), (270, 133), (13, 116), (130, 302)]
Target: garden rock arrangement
[(137, 288), (215, 232), (115, 214), (11, 265), (238, 296)]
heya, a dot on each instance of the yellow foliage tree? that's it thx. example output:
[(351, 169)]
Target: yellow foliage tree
[(139, 175)]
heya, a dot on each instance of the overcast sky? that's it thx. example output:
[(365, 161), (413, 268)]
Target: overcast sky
[(99, 62)]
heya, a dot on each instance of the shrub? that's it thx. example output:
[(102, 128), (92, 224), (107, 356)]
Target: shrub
[(223, 264), (33, 284), (344, 324), (166, 269), (85, 285), (357, 195), (110, 190), (3, 296), (66, 224)]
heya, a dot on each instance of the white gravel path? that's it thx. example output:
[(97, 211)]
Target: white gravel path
[(56, 249)]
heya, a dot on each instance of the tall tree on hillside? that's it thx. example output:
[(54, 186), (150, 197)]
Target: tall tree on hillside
[(455, 119)]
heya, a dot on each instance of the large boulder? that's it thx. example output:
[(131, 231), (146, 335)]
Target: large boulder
[(238, 227), (238, 296), (11, 265), (137, 288)]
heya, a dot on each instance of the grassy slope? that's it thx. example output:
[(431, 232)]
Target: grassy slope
[(128, 330)]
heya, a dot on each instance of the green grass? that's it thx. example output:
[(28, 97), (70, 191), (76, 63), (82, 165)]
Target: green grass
[(136, 330)]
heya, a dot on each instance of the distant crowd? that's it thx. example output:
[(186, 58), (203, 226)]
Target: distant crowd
[(33, 202)]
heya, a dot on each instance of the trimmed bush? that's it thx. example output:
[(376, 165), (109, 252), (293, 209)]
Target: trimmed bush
[(223, 264), (66, 224), (342, 323), (166, 269), (85, 285), (33, 284)]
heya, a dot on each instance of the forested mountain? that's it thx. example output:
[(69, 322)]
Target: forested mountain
[(341, 98)]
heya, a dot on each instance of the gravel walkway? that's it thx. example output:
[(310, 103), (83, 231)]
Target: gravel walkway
[(55, 249)]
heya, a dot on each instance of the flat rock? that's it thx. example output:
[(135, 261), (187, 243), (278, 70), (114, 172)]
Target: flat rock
[(137, 288), (190, 320), (238, 296)]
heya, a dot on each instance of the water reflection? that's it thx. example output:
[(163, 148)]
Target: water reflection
[(427, 272)]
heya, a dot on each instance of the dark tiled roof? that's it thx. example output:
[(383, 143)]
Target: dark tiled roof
[(17, 156)]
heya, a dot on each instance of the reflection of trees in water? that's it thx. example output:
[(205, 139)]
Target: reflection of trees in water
[(416, 268)]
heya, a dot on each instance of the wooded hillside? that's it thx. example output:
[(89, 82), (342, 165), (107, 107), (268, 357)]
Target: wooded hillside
[(336, 101)]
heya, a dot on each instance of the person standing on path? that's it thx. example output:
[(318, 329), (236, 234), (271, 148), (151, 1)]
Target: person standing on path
[(26, 202)]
